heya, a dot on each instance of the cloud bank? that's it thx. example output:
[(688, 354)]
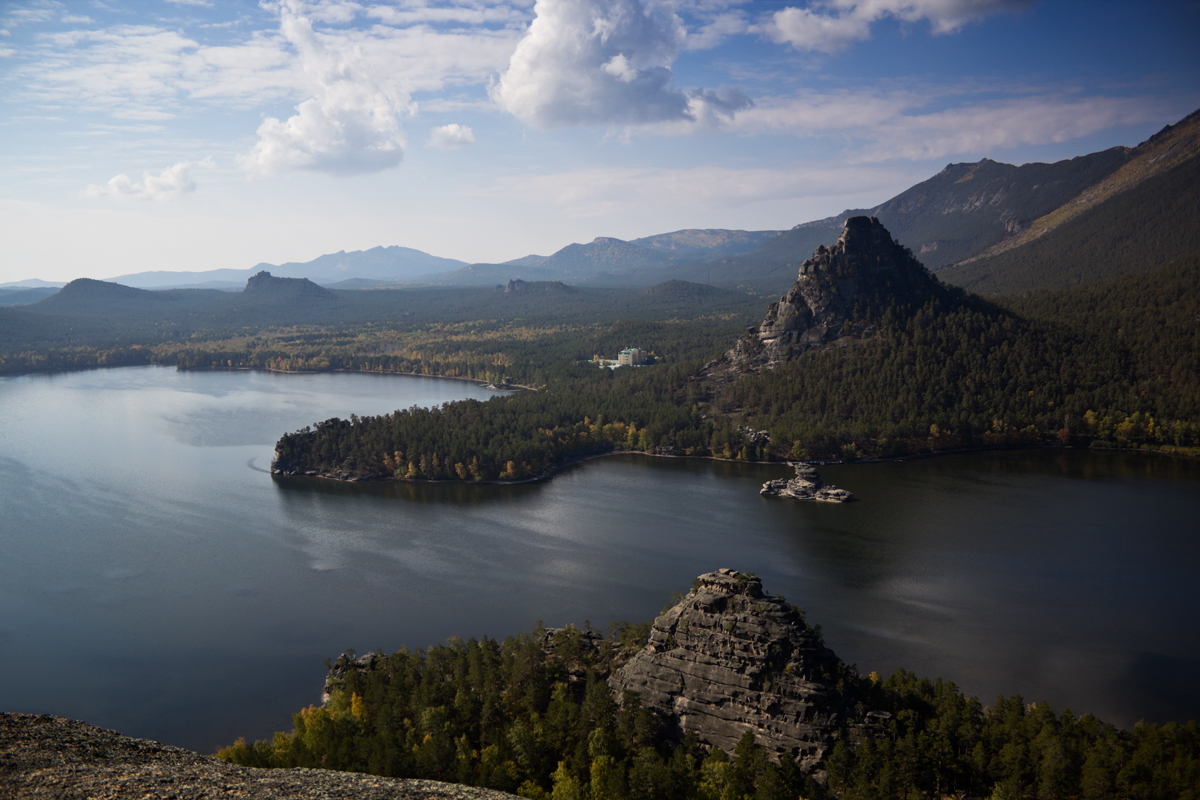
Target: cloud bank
[(833, 24), (451, 137), (351, 124), (169, 184), (593, 61)]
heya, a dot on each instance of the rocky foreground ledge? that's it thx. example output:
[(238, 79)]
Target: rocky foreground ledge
[(43, 756)]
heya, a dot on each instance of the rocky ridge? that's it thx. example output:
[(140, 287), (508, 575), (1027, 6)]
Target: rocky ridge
[(807, 485), (51, 757), (865, 269), (265, 285), (729, 659)]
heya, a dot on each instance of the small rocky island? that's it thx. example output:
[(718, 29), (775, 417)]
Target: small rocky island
[(807, 485)]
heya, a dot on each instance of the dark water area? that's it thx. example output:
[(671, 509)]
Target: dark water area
[(155, 579)]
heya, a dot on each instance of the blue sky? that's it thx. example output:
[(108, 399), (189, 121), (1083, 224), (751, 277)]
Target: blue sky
[(205, 134)]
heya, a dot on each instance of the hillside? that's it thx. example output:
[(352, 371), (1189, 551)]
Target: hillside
[(577, 262), (955, 214), (966, 208), (770, 268), (1162, 152), (20, 297), (610, 262), (1113, 363), (694, 244), (868, 355), (1138, 229)]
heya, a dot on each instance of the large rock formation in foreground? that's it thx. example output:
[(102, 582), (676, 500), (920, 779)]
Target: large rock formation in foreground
[(864, 271), (728, 659), (51, 757)]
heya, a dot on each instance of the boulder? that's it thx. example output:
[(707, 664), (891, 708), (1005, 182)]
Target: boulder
[(807, 485)]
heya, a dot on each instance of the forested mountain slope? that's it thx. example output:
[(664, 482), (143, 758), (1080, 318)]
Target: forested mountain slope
[(1142, 228), (958, 213), (928, 367), (967, 207), (1162, 152)]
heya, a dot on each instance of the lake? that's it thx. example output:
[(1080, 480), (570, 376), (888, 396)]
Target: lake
[(156, 580)]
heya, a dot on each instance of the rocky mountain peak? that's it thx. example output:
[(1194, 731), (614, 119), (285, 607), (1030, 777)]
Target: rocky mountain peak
[(265, 285), (864, 270), (728, 659)]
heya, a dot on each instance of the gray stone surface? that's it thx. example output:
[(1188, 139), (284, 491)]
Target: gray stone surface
[(807, 485), (51, 757), (728, 659)]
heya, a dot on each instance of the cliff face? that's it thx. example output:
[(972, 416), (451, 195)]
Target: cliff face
[(728, 659), (865, 269)]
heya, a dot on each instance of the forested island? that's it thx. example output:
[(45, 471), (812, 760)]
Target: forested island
[(572, 713)]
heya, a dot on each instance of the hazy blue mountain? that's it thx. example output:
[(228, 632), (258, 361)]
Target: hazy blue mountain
[(531, 260), (20, 297), (379, 263), (699, 244), (386, 264), (162, 279), (575, 263), (32, 283)]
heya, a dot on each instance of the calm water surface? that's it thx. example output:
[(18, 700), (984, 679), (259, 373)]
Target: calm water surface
[(156, 580)]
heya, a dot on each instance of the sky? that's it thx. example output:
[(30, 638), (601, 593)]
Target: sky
[(207, 134)]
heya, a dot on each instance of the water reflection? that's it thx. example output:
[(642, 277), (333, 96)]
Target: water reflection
[(173, 589)]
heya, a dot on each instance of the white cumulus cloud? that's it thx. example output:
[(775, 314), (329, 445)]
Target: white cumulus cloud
[(595, 61), (829, 25), (351, 123), (451, 137), (169, 184)]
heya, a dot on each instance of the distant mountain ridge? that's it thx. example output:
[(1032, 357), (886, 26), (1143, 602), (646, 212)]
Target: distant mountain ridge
[(607, 261), (1140, 217), (1151, 224), (990, 226), (387, 264), (1165, 150)]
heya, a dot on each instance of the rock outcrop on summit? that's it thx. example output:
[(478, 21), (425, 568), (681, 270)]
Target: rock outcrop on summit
[(866, 270), (729, 659)]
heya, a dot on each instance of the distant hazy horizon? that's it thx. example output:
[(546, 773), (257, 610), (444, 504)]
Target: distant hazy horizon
[(194, 135)]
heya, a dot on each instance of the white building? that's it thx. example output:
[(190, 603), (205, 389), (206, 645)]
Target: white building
[(631, 357)]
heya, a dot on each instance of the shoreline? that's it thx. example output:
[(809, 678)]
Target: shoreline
[(545, 477), (515, 387), (507, 387)]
